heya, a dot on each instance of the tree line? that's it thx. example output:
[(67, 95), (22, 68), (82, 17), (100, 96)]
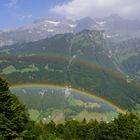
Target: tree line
[(16, 125)]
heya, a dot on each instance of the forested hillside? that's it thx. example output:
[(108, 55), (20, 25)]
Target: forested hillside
[(15, 124), (79, 60)]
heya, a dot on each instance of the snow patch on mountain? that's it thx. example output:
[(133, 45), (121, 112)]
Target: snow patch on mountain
[(55, 23), (50, 30), (101, 23), (72, 25), (108, 36)]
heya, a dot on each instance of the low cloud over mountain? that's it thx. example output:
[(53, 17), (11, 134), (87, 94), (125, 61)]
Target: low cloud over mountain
[(98, 8)]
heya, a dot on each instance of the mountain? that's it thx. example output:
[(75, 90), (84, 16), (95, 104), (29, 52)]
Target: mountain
[(114, 27), (116, 23), (87, 45), (85, 23), (126, 55), (37, 30), (80, 60)]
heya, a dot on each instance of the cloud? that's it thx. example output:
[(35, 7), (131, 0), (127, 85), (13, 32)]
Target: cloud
[(98, 8), (13, 4), (23, 17)]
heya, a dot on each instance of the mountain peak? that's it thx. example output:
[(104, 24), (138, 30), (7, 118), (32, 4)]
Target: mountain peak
[(113, 17)]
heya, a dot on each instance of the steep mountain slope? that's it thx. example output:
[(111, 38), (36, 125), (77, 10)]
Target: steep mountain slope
[(88, 45), (70, 59), (127, 55)]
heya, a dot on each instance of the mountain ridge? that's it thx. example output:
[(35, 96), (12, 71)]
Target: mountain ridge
[(114, 27)]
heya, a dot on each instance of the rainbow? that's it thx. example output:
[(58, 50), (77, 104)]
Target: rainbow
[(92, 95), (65, 58)]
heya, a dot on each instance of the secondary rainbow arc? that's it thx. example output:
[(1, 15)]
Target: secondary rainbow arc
[(55, 56)]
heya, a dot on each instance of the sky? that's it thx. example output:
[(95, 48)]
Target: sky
[(19, 12)]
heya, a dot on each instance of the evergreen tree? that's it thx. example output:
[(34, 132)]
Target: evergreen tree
[(125, 127), (13, 117)]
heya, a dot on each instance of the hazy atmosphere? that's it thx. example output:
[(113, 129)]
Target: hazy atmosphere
[(69, 69)]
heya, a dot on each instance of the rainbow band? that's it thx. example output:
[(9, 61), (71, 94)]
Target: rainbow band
[(36, 55), (74, 90)]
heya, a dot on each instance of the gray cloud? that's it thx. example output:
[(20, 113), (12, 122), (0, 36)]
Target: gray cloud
[(98, 8)]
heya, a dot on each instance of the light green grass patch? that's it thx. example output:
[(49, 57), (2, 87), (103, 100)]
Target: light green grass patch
[(29, 69), (1, 61), (11, 69), (34, 114), (98, 116), (139, 72), (76, 102), (46, 67), (8, 70)]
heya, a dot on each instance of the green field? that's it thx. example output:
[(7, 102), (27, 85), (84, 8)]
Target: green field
[(11, 69), (46, 104)]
